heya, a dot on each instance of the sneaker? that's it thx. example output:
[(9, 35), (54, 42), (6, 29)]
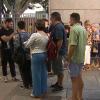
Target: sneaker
[(31, 95), (21, 86), (54, 85), (15, 79), (58, 88), (35, 96), (26, 87), (5, 79)]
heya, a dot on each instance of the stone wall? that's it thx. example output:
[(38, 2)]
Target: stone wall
[(88, 9)]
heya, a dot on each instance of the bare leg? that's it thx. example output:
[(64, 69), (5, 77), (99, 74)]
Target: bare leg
[(74, 88), (60, 79), (81, 85)]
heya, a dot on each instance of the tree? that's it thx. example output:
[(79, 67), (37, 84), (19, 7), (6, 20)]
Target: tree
[(44, 3), (17, 5), (20, 5)]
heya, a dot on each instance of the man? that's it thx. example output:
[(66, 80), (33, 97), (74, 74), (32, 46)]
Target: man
[(76, 52), (25, 65), (59, 37), (6, 37)]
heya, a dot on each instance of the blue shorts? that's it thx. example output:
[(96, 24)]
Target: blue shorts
[(75, 69)]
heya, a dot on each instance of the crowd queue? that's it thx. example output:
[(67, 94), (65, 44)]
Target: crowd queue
[(48, 50)]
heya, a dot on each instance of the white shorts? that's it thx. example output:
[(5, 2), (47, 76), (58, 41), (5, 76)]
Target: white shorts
[(87, 55)]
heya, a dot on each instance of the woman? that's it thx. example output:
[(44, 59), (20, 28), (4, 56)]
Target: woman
[(38, 42), (90, 38)]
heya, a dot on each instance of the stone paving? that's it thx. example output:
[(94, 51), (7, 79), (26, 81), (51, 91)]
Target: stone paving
[(12, 90)]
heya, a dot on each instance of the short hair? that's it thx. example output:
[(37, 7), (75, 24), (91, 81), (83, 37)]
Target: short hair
[(40, 24), (56, 16), (21, 24), (8, 20), (75, 16)]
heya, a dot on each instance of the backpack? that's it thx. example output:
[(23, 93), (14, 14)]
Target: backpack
[(52, 46), (51, 49), (19, 53)]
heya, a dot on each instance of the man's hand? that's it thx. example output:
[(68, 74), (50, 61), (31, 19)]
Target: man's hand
[(70, 53), (66, 64), (8, 38), (68, 60)]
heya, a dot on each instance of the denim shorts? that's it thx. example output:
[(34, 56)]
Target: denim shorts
[(75, 69)]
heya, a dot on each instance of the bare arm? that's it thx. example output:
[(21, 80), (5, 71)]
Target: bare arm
[(59, 44), (71, 52), (7, 38)]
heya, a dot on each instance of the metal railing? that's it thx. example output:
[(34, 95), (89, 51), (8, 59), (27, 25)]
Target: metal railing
[(29, 19)]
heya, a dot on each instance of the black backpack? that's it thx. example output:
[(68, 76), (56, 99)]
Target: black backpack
[(19, 53)]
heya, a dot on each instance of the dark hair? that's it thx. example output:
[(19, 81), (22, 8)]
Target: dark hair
[(21, 24), (40, 24), (75, 16), (81, 23), (56, 16), (8, 20), (67, 26)]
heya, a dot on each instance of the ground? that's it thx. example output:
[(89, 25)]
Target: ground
[(12, 90)]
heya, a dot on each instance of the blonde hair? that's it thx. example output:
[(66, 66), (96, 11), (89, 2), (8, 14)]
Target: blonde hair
[(87, 22)]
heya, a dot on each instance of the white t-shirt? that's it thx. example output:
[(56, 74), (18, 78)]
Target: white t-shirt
[(37, 42)]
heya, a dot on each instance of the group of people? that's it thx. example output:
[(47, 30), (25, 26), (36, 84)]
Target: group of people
[(92, 53), (34, 64)]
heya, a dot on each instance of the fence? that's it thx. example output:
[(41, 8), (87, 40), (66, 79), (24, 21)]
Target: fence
[(29, 19)]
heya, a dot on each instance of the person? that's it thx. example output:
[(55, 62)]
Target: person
[(7, 48), (59, 37), (99, 52), (99, 48), (67, 29), (48, 31), (88, 28), (25, 66), (91, 48), (38, 42), (76, 52), (96, 42)]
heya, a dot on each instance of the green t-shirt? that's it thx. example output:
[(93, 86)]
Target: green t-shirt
[(78, 37)]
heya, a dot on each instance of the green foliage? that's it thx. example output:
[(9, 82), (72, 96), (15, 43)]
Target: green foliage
[(44, 3), (20, 4)]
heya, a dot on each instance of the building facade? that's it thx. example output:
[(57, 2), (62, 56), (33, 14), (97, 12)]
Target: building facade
[(88, 9)]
